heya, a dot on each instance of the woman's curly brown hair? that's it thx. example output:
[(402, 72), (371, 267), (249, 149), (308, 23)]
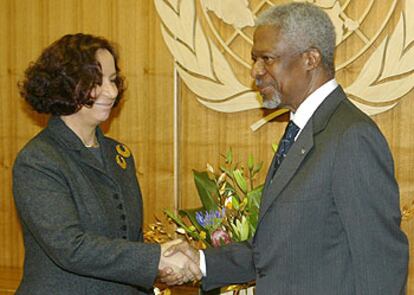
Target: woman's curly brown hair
[(61, 80)]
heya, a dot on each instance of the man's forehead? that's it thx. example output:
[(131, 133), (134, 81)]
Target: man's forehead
[(266, 30), (265, 38)]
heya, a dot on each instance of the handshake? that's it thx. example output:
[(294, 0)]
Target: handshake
[(179, 263)]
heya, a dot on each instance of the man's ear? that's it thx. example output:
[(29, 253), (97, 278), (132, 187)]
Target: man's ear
[(312, 58)]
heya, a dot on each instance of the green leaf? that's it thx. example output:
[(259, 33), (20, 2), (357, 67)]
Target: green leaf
[(207, 190), (250, 162), (176, 219), (229, 156), (253, 218), (244, 234), (236, 231), (235, 203), (243, 203), (241, 229), (254, 197), (241, 182), (225, 170), (257, 167)]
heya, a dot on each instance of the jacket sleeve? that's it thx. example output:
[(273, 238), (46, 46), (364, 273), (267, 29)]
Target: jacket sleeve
[(230, 264), (367, 197), (47, 210)]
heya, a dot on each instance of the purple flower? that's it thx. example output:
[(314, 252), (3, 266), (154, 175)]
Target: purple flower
[(210, 218), (219, 238), (200, 218)]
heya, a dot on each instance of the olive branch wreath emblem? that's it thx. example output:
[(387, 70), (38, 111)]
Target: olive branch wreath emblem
[(385, 78)]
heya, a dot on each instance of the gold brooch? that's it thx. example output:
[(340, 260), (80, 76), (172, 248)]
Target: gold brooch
[(121, 161), (123, 152)]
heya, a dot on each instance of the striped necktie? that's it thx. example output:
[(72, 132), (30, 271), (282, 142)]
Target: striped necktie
[(284, 145)]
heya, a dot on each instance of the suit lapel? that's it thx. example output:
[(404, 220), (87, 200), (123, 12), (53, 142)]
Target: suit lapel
[(287, 169), (269, 174), (86, 157), (113, 170), (71, 142)]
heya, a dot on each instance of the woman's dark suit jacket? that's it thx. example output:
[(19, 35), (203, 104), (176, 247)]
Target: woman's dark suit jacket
[(81, 219)]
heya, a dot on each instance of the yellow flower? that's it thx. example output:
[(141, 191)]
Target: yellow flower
[(229, 203), (203, 235), (201, 245)]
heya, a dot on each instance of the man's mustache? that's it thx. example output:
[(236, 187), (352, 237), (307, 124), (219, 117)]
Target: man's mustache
[(258, 82)]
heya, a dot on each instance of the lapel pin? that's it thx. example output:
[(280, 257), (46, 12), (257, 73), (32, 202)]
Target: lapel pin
[(302, 151)]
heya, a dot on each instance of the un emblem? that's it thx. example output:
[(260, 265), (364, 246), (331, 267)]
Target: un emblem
[(211, 40)]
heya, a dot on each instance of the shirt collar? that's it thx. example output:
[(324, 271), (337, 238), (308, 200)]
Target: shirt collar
[(311, 103), (64, 134)]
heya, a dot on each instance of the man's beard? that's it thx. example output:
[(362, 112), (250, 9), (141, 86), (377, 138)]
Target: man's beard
[(273, 102), (270, 103)]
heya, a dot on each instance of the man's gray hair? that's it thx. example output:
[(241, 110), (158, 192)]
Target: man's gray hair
[(304, 26)]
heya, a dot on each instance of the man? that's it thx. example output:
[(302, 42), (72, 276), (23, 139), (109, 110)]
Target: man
[(329, 220)]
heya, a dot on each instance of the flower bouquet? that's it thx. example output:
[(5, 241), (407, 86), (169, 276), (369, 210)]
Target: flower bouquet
[(230, 202)]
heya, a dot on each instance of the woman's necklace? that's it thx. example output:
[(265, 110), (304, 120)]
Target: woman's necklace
[(94, 144)]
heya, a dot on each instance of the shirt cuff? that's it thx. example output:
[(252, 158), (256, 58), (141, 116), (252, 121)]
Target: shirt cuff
[(203, 266)]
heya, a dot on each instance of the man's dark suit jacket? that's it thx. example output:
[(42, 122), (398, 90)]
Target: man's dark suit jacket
[(81, 219), (329, 220)]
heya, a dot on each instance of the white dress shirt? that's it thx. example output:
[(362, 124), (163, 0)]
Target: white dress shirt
[(311, 103)]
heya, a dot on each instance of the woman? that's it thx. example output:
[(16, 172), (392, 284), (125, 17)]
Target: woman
[(75, 189)]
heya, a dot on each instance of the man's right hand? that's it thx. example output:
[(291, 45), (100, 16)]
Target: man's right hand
[(179, 263)]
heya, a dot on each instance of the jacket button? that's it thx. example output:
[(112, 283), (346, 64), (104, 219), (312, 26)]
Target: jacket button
[(123, 217), (120, 206), (124, 227), (116, 196), (124, 237)]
